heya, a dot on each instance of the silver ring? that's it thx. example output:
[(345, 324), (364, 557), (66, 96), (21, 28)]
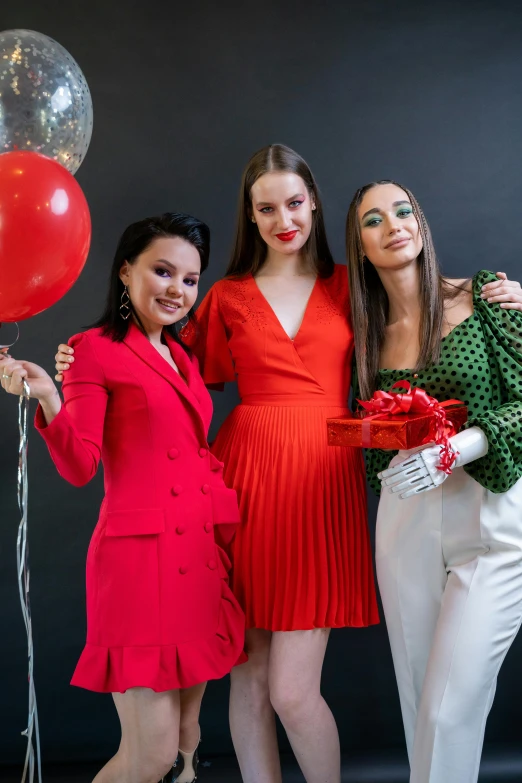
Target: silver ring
[(5, 376)]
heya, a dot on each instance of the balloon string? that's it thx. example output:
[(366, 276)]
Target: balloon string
[(22, 556), (10, 345)]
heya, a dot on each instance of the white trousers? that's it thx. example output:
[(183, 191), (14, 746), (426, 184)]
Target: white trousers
[(449, 565)]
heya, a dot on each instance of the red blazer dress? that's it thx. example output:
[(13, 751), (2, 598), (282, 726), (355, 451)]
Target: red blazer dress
[(160, 613)]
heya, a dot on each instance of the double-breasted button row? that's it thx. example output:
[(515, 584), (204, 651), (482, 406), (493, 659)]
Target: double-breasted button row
[(183, 528), (177, 489), (211, 564), (174, 453)]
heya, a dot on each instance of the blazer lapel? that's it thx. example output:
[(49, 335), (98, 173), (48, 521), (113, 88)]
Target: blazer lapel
[(194, 382), (140, 345)]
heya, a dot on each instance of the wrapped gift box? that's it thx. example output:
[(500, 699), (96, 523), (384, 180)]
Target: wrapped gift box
[(391, 431)]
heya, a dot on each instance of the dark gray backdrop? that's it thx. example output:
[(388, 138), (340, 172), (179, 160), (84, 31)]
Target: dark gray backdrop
[(426, 93)]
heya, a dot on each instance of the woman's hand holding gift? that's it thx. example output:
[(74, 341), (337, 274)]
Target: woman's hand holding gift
[(422, 471)]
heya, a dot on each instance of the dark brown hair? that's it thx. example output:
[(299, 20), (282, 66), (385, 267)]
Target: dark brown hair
[(369, 300), (249, 252), (133, 242)]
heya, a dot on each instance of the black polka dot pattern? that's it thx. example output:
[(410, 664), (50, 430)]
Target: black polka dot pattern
[(481, 364)]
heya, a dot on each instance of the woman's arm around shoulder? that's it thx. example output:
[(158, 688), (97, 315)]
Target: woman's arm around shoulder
[(504, 291), (501, 468)]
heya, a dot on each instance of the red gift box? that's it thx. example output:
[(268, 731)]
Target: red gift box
[(393, 420)]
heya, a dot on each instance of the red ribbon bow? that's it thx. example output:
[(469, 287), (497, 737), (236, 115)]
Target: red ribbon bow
[(384, 404)]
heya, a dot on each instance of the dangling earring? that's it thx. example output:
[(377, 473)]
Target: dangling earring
[(253, 220), (184, 321), (125, 309), (313, 207)]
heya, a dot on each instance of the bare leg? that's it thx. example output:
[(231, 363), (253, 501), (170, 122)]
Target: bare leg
[(252, 718), (149, 737), (189, 732), (190, 702), (296, 660)]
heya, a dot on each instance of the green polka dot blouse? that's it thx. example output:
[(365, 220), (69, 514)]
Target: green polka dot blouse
[(480, 364)]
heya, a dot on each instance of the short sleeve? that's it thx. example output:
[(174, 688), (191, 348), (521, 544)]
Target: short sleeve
[(206, 336), (501, 468), (337, 286)]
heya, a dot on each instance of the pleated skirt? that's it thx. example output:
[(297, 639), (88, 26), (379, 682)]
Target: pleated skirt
[(301, 556)]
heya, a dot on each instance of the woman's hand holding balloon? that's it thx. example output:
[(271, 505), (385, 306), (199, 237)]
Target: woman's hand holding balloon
[(13, 373)]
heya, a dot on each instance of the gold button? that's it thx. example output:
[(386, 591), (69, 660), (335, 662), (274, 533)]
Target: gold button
[(415, 375)]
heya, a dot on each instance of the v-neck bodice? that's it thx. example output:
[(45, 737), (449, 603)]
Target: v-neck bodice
[(271, 309), (237, 336)]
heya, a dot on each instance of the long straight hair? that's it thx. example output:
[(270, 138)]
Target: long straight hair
[(369, 300), (249, 250), (133, 242)]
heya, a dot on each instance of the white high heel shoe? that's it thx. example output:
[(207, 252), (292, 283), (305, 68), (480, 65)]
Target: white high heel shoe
[(189, 772)]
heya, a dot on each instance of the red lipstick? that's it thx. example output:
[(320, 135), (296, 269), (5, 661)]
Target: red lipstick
[(287, 236)]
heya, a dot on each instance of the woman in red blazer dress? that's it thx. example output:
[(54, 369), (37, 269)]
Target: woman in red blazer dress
[(160, 614)]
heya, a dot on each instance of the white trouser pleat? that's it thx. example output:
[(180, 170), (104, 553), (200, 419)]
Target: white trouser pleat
[(449, 566)]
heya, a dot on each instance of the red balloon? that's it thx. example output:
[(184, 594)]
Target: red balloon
[(45, 233)]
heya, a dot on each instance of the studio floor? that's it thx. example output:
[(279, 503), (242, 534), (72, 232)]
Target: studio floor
[(498, 765)]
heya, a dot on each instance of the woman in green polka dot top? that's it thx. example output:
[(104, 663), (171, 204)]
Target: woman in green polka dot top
[(448, 547)]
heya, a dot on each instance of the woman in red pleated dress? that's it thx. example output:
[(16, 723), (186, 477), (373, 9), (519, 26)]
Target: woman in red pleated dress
[(279, 324)]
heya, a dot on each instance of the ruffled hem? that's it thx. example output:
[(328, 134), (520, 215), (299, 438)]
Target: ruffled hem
[(168, 666)]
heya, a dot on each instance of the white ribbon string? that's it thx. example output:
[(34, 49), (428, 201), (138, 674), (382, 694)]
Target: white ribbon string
[(22, 556)]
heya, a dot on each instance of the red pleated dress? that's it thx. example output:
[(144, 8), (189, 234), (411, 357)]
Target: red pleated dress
[(301, 555)]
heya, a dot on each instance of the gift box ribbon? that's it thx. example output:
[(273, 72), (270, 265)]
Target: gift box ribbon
[(385, 404)]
